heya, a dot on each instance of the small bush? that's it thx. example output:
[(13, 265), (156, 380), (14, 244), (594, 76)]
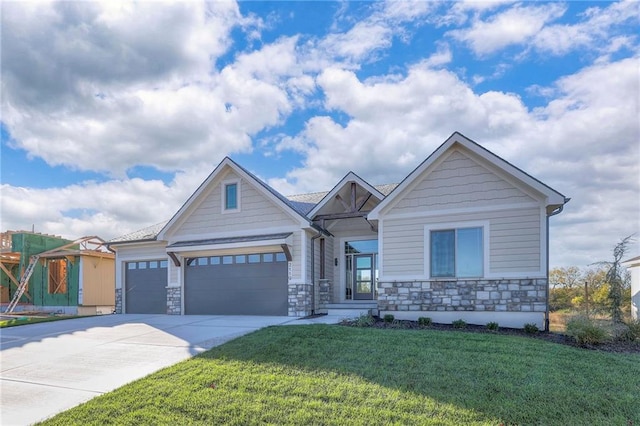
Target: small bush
[(622, 333), (634, 329), (459, 323), (364, 320), (399, 324), (493, 326), (586, 331), (531, 328), (388, 318), (424, 322)]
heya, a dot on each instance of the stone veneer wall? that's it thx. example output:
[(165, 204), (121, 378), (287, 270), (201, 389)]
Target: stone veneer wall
[(118, 300), (174, 300), (508, 295), (325, 289), (300, 303)]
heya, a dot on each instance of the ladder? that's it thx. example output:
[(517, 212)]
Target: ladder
[(22, 285)]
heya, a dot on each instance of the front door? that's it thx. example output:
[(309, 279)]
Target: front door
[(363, 276)]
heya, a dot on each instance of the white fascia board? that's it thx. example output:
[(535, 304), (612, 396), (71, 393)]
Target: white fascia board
[(350, 177), (552, 196), (301, 220), (631, 262), (137, 244), (232, 234), (228, 246)]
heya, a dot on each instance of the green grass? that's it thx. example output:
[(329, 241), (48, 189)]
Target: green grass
[(14, 322), (363, 376)]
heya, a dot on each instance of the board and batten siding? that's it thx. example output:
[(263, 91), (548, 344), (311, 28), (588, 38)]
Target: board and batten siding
[(257, 212), (459, 182), (514, 241)]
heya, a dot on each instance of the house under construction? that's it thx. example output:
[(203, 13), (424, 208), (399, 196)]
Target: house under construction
[(59, 275)]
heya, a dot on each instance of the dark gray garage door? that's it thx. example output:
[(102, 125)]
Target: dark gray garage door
[(146, 283), (253, 284)]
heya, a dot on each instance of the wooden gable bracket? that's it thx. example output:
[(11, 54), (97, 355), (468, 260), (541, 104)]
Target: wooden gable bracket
[(286, 251), (363, 202), (173, 257)]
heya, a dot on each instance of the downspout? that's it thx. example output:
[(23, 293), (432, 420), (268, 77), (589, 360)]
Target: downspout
[(546, 311), (321, 231), (313, 271)]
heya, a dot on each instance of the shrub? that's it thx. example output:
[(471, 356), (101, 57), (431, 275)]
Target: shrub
[(388, 318), (531, 328), (586, 331), (493, 326), (626, 332), (634, 329), (622, 333), (424, 322), (459, 323), (364, 320)]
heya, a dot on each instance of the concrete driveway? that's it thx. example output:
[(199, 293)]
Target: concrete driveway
[(50, 367)]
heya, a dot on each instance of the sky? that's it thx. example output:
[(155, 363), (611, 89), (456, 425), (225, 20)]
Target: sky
[(112, 113)]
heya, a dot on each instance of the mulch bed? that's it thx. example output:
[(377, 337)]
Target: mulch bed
[(617, 346)]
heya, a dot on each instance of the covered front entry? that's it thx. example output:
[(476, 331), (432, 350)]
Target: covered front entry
[(145, 287), (245, 284), (361, 269)]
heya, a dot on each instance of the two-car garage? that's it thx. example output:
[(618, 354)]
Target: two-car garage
[(245, 284), (238, 284)]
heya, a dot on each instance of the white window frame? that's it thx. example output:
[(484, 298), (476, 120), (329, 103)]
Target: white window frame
[(457, 225), (223, 196)]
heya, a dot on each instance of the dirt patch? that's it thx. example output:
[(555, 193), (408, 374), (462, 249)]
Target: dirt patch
[(614, 346)]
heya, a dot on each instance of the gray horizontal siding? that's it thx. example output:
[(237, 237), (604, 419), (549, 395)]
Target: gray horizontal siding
[(514, 244), (256, 212), (459, 182)]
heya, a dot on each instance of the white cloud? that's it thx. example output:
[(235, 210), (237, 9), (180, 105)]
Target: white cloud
[(516, 25), (132, 80), (595, 32), (442, 56)]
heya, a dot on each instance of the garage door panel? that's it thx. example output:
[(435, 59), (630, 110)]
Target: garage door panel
[(146, 291), (236, 289)]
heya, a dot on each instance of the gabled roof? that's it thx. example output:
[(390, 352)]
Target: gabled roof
[(634, 261), (349, 177), (145, 234), (249, 177), (554, 198)]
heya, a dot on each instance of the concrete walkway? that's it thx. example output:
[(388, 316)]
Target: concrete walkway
[(50, 367)]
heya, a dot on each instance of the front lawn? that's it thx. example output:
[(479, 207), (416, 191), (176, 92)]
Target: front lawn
[(303, 375), (24, 320)]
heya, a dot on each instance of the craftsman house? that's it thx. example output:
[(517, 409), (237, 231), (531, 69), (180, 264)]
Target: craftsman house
[(60, 275), (464, 236)]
